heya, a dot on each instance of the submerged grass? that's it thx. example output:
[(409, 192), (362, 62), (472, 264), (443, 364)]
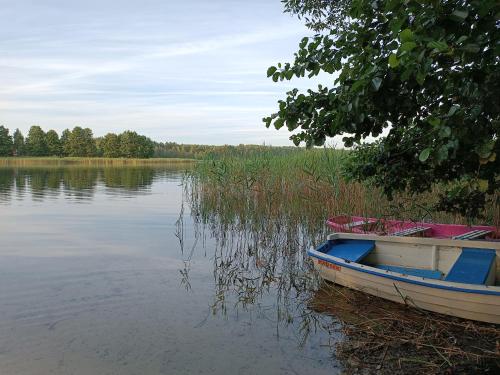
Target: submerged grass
[(86, 161)]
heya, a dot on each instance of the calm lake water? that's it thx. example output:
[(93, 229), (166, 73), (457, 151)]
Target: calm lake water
[(105, 271)]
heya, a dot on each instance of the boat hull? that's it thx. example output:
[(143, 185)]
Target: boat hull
[(384, 226), (464, 304)]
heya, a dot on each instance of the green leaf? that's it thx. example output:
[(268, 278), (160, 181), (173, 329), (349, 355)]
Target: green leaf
[(424, 155), (442, 153), (407, 46), (376, 82), (276, 76), (485, 150), (357, 84), (438, 45), (271, 70), (471, 48), (278, 124), (406, 36), (303, 42), (393, 61), (453, 110), (420, 77), (445, 132), (434, 121), (459, 15)]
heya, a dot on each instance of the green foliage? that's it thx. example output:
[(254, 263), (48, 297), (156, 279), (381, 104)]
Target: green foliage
[(80, 142), (110, 146), (18, 146), (5, 142), (133, 145), (36, 144), (54, 147), (423, 73), (64, 141)]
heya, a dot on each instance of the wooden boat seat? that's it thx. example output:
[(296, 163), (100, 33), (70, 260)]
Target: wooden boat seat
[(472, 235), (472, 266), (429, 274), (411, 231), (350, 250)]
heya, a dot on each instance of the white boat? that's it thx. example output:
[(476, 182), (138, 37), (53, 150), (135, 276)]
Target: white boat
[(453, 277)]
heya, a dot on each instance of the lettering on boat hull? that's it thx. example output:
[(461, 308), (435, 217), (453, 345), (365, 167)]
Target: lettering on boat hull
[(329, 265)]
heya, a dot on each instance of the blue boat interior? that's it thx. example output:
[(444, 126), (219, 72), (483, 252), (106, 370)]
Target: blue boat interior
[(349, 250), (428, 274), (472, 266)]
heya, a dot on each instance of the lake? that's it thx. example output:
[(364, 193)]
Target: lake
[(108, 271)]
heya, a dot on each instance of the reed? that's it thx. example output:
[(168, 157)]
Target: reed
[(310, 184), (84, 161)]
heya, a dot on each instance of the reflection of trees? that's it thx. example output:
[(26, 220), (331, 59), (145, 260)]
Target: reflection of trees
[(76, 181), (259, 256), (130, 178), (6, 183)]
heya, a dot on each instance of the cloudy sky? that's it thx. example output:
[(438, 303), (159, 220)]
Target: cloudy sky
[(190, 71)]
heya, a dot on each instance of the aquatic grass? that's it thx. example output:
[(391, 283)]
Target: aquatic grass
[(87, 161), (311, 184)]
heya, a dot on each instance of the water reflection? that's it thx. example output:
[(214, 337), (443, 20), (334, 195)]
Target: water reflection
[(77, 183), (259, 261), (96, 288)]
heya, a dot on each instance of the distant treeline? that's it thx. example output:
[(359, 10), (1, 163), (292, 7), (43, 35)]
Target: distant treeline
[(80, 142), (77, 142), (176, 150)]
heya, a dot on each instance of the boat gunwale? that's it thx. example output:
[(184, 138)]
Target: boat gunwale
[(490, 245), (417, 280)]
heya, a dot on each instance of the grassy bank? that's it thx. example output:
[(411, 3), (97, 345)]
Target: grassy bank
[(84, 161)]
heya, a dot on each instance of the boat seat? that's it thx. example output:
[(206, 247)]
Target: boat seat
[(472, 266), (357, 223), (411, 231), (429, 274), (351, 250), (472, 235)]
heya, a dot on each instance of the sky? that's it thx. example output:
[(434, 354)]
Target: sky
[(191, 71)]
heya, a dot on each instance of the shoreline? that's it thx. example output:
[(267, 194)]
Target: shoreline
[(31, 161)]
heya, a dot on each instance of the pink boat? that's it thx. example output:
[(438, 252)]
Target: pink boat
[(360, 224)]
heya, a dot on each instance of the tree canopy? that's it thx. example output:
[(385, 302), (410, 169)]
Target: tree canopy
[(54, 147), (421, 77), (5, 142), (18, 146), (79, 142), (36, 144)]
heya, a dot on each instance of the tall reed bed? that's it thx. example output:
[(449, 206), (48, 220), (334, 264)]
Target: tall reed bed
[(309, 185), (67, 161)]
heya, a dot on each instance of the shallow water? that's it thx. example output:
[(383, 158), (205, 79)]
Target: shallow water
[(97, 276)]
